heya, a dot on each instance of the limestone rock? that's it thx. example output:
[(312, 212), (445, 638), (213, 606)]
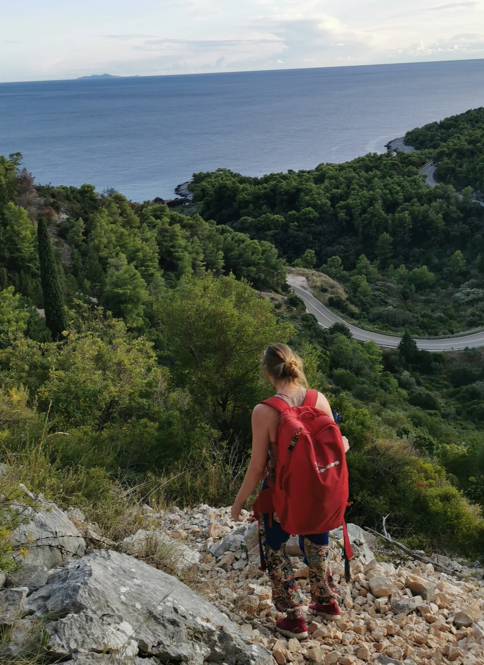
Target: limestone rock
[(49, 536), (380, 586), (108, 598), (361, 541), (28, 575), (226, 561), (12, 604), (23, 636), (464, 619), (251, 605), (301, 573), (294, 645), (292, 546), (364, 652), (216, 530), (316, 654), (252, 543), (421, 586), (406, 605), (232, 542), (90, 632), (387, 660), (279, 656)]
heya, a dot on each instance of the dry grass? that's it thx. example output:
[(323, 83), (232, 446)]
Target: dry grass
[(320, 284)]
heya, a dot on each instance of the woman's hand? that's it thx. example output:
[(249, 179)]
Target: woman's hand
[(346, 444), (235, 512)]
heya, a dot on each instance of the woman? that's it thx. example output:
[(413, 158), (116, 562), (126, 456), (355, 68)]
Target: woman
[(284, 370)]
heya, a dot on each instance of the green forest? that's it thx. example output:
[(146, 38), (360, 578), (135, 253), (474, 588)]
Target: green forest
[(456, 145), (131, 334), (409, 257)]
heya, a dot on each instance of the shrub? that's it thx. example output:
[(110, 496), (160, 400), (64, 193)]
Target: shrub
[(339, 303), (425, 400), (344, 379), (296, 302)]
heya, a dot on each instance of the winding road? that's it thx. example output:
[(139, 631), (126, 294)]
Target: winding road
[(429, 172), (326, 318)]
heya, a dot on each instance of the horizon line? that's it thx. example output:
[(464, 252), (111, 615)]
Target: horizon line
[(241, 71)]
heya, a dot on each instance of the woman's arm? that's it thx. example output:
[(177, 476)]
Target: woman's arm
[(262, 416)]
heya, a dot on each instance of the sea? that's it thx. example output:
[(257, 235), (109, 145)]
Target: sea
[(145, 135)]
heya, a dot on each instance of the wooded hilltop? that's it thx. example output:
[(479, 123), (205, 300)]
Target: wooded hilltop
[(138, 383)]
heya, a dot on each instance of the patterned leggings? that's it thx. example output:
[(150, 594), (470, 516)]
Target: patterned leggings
[(285, 594)]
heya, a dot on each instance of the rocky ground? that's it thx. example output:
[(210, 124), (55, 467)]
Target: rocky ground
[(88, 600), (394, 610)]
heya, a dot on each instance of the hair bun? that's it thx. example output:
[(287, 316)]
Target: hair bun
[(291, 365)]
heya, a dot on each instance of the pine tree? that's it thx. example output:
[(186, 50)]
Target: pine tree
[(55, 316), (126, 292), (408, 348)]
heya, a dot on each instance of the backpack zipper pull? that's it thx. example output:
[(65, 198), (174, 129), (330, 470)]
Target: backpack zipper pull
[(294, 439)]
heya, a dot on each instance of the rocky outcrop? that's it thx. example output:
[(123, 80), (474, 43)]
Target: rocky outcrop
[(109, 605), (48, 536), (113, 603)]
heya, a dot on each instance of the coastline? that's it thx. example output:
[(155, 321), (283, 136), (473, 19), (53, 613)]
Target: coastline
[(398, 145), (183, 191)]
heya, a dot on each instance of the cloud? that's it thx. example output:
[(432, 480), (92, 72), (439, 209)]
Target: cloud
[(315, 40), (460, 47), (209, 43), (452, 5), (186, 36), (128, 37)]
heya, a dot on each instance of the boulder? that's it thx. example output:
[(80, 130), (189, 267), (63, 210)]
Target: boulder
[(406, 605), (158, 545), (28, 575), (216, 530), (421, 586), (12, 605), (380, 586), (50, 537), (233, 542), (464, 619), (360, 541), (109, 600), (22, 637), (252, 544)]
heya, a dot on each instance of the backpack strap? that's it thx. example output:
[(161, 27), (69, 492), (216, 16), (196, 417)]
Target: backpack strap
[(311, 398), (277, 403)]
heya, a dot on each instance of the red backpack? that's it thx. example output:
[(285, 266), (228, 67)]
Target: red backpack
[(309, 492)]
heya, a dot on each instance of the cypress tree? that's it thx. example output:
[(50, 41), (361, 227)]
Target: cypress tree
[(408, 348), (55, 316)]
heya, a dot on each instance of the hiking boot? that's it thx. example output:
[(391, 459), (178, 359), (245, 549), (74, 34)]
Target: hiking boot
[(327, 610), (292, 628)]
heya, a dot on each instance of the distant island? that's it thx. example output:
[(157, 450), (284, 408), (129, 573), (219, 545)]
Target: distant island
[(99, 76)]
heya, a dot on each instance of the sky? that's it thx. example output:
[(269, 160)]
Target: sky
[(65, 39)]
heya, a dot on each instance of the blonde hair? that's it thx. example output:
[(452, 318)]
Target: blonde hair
[(284, 365)]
